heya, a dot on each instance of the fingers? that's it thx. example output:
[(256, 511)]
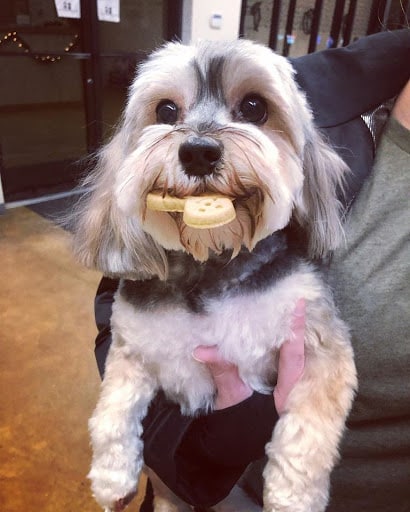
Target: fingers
[(211, 357), (291, 358), (230, 388)]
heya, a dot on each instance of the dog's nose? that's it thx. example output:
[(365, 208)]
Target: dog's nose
[(199, 156)]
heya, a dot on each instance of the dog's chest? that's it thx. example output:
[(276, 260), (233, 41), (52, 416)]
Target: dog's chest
[(242, 306)]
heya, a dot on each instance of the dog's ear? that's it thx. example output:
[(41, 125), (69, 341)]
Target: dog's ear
[(320, 211), (105, 238)]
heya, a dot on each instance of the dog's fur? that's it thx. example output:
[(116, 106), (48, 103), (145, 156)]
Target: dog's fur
[(235, 285)]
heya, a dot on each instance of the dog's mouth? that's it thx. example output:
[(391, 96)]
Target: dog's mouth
[(204, 223), (205, 210)]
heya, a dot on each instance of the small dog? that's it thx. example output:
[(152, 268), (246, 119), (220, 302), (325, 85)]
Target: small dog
[(228, 119)]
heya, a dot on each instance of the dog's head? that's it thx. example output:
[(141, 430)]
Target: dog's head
[(215, 117)]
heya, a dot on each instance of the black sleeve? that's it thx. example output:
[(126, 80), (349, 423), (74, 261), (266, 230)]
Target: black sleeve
[(102, 312), (343, 83), (202, 459)]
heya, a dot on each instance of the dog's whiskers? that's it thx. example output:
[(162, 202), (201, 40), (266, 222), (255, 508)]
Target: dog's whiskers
[(260, 184), (237, 132)]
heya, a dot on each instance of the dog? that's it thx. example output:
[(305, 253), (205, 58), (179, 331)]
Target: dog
[(228, 119)]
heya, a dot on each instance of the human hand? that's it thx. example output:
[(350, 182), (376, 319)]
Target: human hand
[(231, 389)]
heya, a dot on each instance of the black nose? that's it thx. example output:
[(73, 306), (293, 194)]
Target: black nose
[(199, 156)]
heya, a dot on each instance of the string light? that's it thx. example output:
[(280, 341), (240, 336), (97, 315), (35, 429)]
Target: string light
[(14, 37)]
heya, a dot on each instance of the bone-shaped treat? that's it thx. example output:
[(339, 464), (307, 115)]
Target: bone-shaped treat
[(201, 212)]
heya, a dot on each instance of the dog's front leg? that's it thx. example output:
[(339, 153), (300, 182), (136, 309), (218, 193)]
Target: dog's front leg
[(304, 446), (115, 428)]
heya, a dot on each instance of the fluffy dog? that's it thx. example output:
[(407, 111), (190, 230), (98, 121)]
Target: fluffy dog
[(223, 118)]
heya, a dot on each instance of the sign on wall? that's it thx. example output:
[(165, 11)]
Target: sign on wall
[(107, 10), (68, 8)]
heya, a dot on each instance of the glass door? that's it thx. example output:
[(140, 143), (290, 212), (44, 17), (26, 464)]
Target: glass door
[(43, 133)]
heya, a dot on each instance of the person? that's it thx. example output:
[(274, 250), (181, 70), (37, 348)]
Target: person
[(201, 459), (370, 277)]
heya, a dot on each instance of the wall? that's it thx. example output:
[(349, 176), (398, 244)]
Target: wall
[(197, 16)]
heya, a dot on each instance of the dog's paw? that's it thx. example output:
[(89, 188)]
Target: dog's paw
[(292, 489), (113, 489), (109, 500), (120, 505)]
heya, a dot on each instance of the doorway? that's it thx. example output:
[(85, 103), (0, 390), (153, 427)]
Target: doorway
[(63, 85)]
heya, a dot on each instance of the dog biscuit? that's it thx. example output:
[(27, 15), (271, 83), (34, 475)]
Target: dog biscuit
[(166, 203), (204, 212), (201, 212)]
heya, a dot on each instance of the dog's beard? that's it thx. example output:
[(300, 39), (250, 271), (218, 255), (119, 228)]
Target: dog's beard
[(251, 173)]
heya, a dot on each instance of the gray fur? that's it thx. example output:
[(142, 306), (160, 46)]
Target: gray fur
[(191, 284)]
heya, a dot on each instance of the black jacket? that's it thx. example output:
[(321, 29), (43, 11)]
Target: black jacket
[(200, 460)]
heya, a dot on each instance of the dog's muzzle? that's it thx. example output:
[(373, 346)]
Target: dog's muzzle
[(200, 156)]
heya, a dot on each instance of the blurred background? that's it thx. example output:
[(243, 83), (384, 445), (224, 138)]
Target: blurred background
[(65, 66)]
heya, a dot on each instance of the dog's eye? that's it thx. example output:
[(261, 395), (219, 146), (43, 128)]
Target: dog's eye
[(167, 112), (253, 109)]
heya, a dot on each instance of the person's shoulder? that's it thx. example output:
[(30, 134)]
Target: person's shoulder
[(343, 83)]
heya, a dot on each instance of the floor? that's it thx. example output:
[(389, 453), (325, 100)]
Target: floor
[(48, 377)]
